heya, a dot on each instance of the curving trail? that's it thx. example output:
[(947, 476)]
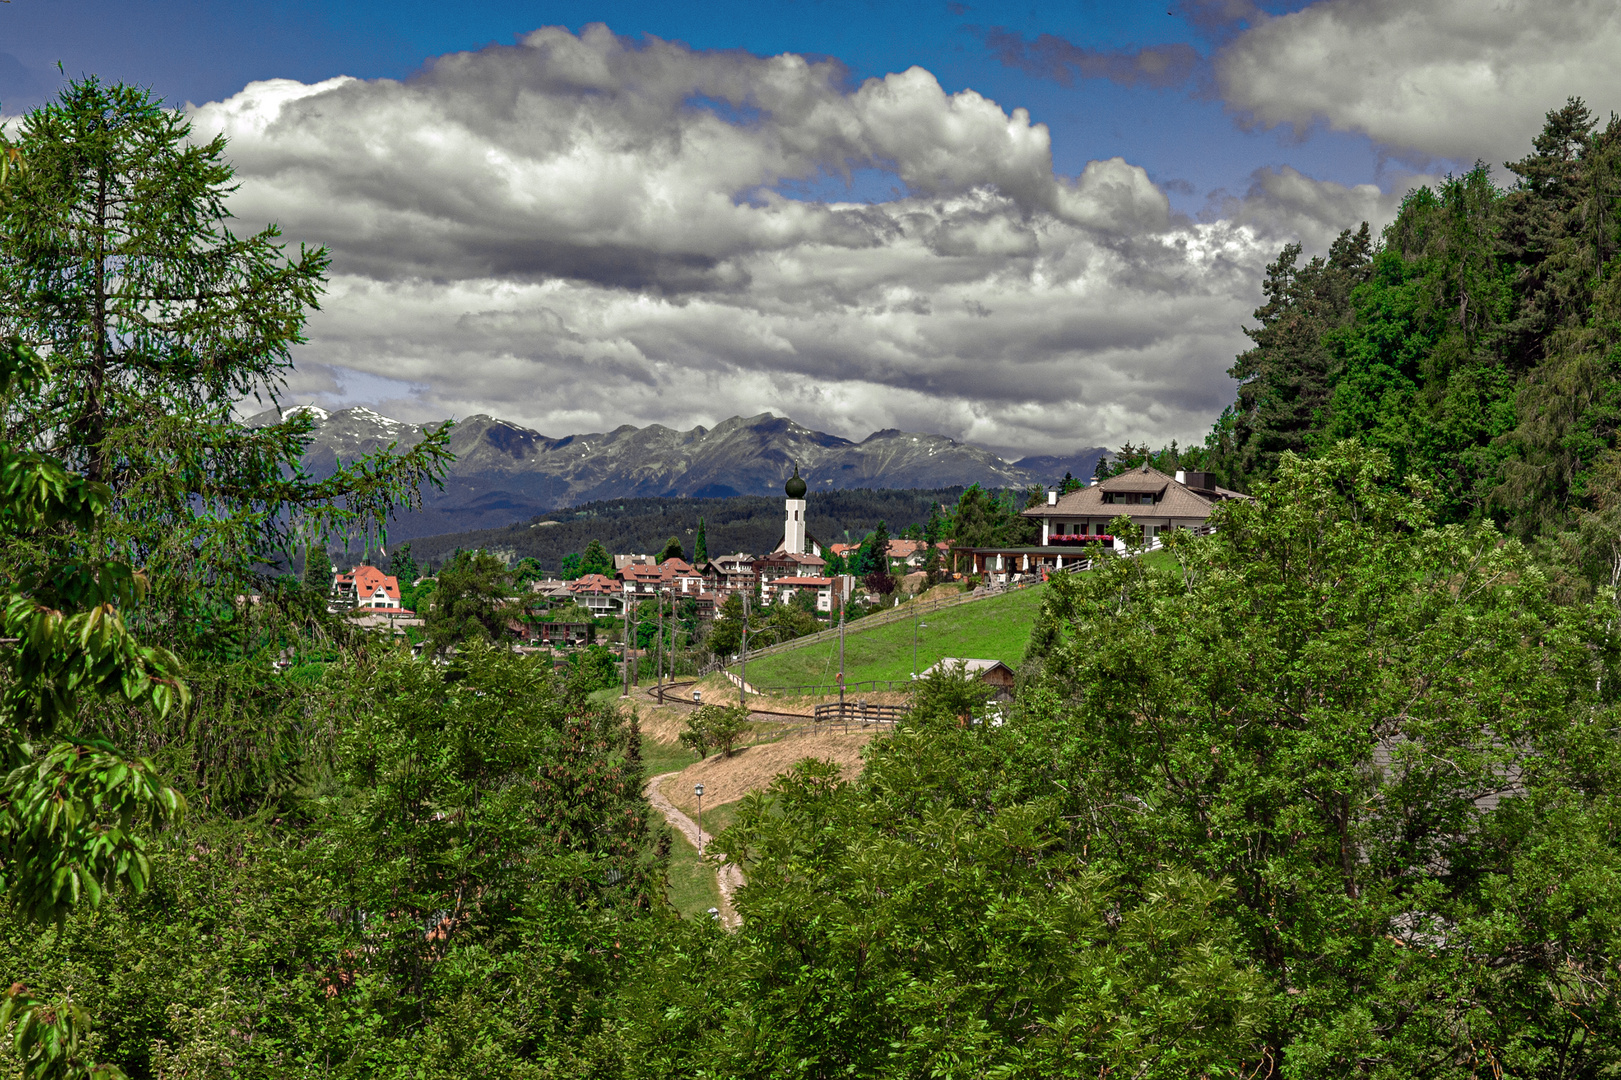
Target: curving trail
[(728, 876)]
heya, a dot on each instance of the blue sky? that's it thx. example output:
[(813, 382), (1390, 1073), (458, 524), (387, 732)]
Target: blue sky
[(1056, 224), (1183, 135)]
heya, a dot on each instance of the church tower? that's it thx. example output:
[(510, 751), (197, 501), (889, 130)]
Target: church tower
[(793, 534)]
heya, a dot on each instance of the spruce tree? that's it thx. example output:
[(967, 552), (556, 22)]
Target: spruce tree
[(596, 560), (317, 568), (157, 321), (700, 546), (875, 554)]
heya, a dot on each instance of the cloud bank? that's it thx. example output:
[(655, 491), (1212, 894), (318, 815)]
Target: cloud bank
[(581, 231), (1452, 79)]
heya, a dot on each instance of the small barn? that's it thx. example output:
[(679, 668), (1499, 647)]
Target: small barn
[(993, 673)]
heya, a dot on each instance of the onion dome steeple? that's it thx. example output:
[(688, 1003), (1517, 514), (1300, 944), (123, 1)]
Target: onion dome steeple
[(795, 487)]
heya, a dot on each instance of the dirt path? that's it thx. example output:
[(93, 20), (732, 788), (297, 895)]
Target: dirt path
[(728, 875)]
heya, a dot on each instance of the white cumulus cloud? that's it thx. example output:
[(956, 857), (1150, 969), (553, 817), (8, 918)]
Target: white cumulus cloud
[(580, 231), (1453, 79)]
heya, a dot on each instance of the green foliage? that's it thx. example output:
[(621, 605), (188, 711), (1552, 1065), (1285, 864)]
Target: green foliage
[(726, 631), (593, 668), (785, 621), (51, 1039), (1478, 344), (672, 550), (470, 601), (403, 566), (596, 560), (318, 571), (468, 784), (571, 569), (985, 519), (936, 932), (933, 532), (1285, 380), (527, 571), (1331, 729), (948, 694), (700, 546), (460, 896), (875, 562), (714, 727), (71, 809)]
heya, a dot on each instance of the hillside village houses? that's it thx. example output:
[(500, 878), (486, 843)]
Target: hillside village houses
[(1155, 503), (794, 566), (1069, 524)]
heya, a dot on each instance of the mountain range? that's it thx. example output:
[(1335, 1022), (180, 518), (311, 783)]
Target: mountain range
[(505, 472)]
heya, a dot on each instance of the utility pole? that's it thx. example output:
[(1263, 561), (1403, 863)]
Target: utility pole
[(743, 656), (624, 648), (842, 605), (658, 673)]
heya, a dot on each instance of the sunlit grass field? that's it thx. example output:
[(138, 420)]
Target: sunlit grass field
[(993, 629)]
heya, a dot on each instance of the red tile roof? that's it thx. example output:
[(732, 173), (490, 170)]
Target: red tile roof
[(367, 580), (594, 583)]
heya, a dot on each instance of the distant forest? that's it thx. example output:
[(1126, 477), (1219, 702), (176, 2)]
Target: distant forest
[(747, 523)]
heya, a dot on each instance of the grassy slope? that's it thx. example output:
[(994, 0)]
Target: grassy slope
[(994, 629), (693, 889)]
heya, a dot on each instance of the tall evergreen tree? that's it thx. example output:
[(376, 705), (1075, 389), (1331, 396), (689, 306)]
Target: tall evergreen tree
[(318, 570), (403, 566), (596, 560), (157, 320), (470, 601), (875, 557), (1284, 381), (700, 546)]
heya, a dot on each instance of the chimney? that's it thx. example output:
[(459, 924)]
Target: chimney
[(1052, 496), (1181, 477), (1094, 482)]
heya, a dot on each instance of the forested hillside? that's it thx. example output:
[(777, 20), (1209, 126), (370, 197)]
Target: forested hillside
[(747, 523), (1475, 341)]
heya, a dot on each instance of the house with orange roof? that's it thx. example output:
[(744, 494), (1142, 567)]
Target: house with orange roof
[(598, 594), (365, 587)]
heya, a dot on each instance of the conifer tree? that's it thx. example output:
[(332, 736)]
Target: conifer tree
[(700, 546), (157, 321), (596, 560)]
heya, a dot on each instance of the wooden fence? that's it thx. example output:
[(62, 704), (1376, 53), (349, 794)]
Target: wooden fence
[(859, 712)]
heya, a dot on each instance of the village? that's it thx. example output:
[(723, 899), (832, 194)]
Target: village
[(1074, 526)]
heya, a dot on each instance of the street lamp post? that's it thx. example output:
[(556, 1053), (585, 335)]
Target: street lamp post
[(698, 790), (916, 626)]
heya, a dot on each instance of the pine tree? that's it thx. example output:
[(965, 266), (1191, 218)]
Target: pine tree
[(403, 566), (158, 321), (596, 560), (318, 570), (700, 547), (932, 530), (875, 555)]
